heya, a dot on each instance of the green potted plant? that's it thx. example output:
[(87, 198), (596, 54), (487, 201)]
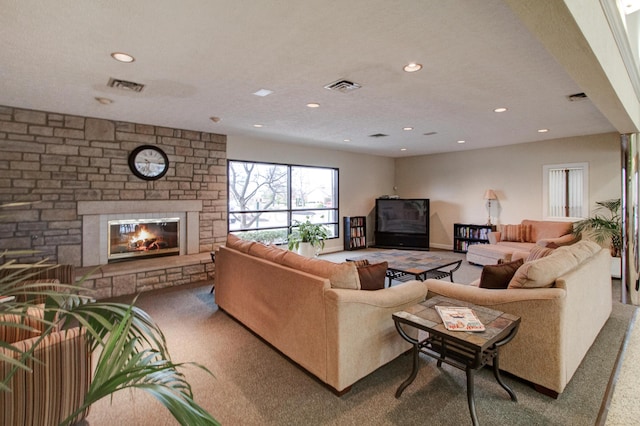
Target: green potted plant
[(307, 238), (605, 226)]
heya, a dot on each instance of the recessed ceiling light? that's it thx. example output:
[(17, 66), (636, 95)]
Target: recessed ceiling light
[(104, 101), (313, 105), (501, 109), (346, 140), (257, 125), (215, 119), (412, 67), (263, 92), (403, 149), (122, 57), (407, 128), (462, 141), (543, 130)]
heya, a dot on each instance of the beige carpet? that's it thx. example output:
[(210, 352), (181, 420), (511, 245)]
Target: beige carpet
[(256, 385)]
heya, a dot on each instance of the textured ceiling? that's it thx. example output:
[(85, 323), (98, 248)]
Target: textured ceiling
[(203, 58)]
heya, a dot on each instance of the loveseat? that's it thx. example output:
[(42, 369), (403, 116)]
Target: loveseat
[(563, 299), (521, 237), (311, 310)]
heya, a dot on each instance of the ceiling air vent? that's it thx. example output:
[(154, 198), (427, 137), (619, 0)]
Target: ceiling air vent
[(430, 133), (343, 86), (577, 97), (378, 135), (126, 85)]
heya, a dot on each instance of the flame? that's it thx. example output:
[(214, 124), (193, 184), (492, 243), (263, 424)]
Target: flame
[(142, 235)]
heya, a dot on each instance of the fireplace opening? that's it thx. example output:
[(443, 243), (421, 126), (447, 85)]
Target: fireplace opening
[(131, 239)]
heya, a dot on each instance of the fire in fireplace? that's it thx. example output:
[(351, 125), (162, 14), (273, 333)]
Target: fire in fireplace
[(135, 238)]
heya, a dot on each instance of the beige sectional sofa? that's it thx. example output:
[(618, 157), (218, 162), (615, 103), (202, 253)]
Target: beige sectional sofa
[(509, 239), (563, 299), (312, 310)]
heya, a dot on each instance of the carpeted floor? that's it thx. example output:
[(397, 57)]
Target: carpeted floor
[(255, 385)]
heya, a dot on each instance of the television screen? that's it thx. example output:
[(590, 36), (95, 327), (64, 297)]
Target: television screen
[(405, 216)]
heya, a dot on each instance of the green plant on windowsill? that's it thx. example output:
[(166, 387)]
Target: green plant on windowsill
[(603, 228), (307, 232), (130, 348)]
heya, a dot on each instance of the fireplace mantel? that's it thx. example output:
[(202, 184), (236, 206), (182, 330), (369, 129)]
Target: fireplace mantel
[(96, 213)]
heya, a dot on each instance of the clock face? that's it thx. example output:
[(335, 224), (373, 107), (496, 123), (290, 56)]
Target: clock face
[(148, 162)]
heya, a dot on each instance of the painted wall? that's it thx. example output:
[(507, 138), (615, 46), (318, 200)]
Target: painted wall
[(455, 182), (363, 178)]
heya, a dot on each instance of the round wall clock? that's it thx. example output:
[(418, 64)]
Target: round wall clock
[(148, 162)]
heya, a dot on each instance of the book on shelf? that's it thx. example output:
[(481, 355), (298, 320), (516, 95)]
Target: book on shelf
[(457, 318)]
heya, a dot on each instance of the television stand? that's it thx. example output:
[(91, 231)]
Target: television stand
[(401, 241)]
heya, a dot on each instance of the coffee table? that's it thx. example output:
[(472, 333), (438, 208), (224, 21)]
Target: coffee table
[(467, 351), (413, 264)]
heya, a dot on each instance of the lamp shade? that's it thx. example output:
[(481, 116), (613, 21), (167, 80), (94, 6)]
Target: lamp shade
[(490, 195)]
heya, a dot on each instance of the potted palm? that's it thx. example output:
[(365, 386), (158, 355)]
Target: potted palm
[(307, 238), (605, 227)]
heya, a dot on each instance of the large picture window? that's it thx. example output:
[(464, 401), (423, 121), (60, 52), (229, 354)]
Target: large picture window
[(266, 199), (565, 191)]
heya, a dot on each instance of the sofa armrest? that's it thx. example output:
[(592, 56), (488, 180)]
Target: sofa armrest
[(564, 240), (494, 237), (361, 332), (18, 326)]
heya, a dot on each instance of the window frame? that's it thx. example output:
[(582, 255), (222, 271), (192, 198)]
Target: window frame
[(584, 166), (291, 207)]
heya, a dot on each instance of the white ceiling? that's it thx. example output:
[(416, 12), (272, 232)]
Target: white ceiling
[(203, 58)]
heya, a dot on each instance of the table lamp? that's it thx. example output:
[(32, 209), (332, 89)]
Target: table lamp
[(489, 195)]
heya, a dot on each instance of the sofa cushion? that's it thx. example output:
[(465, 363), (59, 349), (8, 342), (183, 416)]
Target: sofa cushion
[(541, 229), (544, 271), (538, 252), (499, 276), (238, 243), (341, 275), (372, 276), (272, 253), (581, 250), (511, 233)]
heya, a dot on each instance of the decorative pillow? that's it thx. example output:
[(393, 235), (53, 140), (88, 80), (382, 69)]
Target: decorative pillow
[(372, 276), (511, 233), (527, 236), (537, 252), (499, 276)]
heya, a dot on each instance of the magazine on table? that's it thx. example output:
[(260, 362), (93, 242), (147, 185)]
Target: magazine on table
[(457, 318)]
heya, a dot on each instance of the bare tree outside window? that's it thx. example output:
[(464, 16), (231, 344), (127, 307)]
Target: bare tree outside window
[(266, 200)]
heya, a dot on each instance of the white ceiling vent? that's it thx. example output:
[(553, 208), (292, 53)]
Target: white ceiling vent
[(343, 86), (125, 85)]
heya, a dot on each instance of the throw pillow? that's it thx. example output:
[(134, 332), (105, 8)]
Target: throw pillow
[(511, 233), (537, 252), (372, 276), (499, 276)]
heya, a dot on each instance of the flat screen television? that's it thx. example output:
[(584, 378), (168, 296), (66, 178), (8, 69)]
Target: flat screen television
[(402, 223)]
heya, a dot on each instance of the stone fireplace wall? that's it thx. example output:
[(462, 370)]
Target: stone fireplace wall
[(58, 160)]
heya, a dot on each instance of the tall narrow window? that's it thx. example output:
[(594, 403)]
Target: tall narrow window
[(565, 191)]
